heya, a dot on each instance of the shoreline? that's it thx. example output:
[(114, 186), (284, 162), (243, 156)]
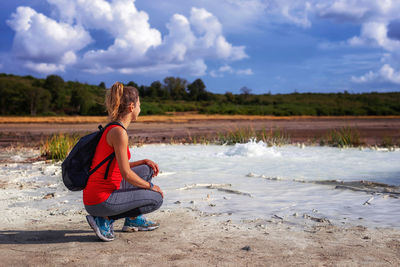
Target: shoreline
[(44, 224), (372, 131)]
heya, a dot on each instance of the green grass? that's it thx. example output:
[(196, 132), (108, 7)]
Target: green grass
[(343, 137), (58, 146)]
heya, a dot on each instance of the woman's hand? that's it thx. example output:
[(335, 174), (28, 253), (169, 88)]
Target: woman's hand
[(152, 165), (156, 188)]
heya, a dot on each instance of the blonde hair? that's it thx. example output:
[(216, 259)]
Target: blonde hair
[(119, 98)]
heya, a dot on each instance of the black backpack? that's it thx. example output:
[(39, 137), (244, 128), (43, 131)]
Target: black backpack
[(76, 167)]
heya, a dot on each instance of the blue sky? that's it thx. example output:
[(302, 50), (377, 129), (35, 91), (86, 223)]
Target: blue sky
[(267, 45)]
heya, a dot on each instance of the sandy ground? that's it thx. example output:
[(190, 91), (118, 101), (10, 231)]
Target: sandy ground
[(187, 238), (40, 227), (372, 130)]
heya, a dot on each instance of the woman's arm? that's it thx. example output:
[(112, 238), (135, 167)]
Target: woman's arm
[(148, 162), (118, 139)]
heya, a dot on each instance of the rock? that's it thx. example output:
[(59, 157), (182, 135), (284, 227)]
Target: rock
[(368, 202), (177, 202), (49, 195), (247, 248), (212, 205), (250, 174)]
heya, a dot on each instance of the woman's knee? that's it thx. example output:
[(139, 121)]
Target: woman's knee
[(144, 171)]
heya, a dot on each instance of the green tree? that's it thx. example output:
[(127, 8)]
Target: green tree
[(176, 87), (157, 87), (230, 97), (197, 90), (55, 84)]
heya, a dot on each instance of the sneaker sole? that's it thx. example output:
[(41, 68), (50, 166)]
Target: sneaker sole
[(96, 229), (136, 229)]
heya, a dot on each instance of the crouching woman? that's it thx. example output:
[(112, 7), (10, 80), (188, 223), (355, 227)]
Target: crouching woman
[(127, 192)]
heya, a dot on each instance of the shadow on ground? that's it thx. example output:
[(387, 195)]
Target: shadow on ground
[(46, 236)]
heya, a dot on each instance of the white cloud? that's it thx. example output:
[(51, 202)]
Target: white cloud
[(226, 69), (214, 74), (45, 44), (385, 74), (187, 45), (358, 10), (44, 67), (375, 34), (234, 15), (378, 21), (374, 16), (179, 40), (245, 72), (296, 12)]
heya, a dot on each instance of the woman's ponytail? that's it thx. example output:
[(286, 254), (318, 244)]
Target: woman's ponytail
[(118, 99), (113, 100)]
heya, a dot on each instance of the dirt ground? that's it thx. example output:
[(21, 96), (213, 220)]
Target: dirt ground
[(308, 130), (186, 238), (190, 238)]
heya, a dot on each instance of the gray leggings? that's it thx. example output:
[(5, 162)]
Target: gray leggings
[(129, 200)]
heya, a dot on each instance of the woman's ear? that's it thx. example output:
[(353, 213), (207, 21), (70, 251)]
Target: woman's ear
[(131, 107)]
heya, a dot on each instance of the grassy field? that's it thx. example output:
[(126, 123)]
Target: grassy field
[(180, 117)]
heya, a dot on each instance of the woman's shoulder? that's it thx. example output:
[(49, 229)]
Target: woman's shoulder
[(117, 134)]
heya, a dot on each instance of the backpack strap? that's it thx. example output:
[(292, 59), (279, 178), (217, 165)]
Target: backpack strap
[(112, 123), (110, 157)]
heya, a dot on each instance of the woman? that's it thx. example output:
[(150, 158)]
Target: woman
[(128, 191)]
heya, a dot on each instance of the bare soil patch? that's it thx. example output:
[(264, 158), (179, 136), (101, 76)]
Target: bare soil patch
[(187, 239), (187, 128)]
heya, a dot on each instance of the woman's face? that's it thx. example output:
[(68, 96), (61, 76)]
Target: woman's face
[(136, 110)]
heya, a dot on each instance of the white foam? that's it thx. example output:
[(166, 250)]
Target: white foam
[(277, 178), (251, 149), (264, 182)]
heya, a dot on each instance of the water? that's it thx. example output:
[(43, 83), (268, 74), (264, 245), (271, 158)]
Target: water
[(259, 182), (249, 181)]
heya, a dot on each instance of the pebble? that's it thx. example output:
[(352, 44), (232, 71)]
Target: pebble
[(247, 248), (49, 195), (177, 202)]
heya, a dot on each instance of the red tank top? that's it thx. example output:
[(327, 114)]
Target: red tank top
[(99, 189)]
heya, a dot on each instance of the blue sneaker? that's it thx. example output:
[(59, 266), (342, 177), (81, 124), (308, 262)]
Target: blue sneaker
[(103, 228), (139, 224)]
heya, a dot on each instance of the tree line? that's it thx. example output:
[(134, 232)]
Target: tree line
[(26, 95)]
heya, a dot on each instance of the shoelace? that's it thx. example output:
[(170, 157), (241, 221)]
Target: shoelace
[(107, 226)]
